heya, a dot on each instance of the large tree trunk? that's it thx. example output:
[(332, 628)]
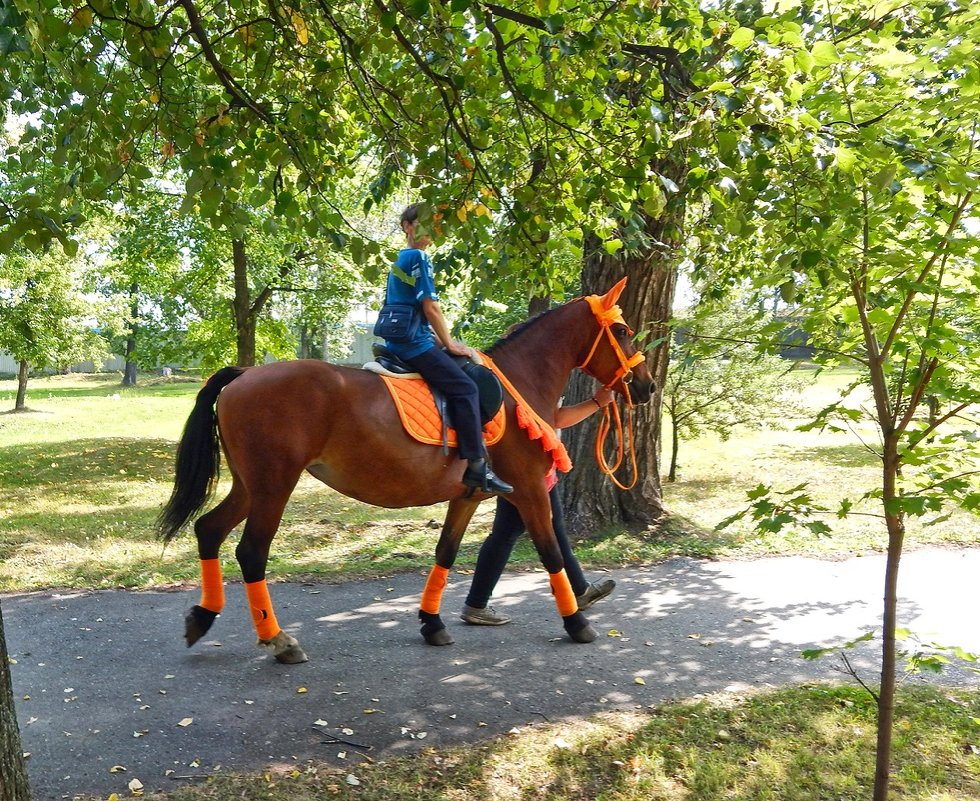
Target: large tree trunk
[(129, 374), (20, 404), (592, 502), (244, 314), (13, 773)]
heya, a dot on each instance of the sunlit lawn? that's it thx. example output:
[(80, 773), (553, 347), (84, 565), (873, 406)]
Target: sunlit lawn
[(85, 472)]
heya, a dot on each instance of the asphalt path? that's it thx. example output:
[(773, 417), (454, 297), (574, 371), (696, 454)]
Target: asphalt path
[(104, 681)]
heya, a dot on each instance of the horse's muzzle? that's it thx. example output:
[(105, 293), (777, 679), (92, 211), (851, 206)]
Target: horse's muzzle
[(641, 391)]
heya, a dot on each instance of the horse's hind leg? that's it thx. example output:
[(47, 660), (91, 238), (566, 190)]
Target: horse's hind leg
[(211, 530), (457, 519), (264, 516)]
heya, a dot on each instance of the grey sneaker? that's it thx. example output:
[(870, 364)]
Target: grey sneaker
[(596, 591), (483, 617)]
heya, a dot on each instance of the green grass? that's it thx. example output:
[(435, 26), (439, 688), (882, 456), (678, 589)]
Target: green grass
[(84, 473), (715, 474), (812, 743)]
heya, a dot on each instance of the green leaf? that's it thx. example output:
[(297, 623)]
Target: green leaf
[(741, 38), (810, 258), (824, 54), (917, 167), (554, 23), (845, 158), (612, 245), (884, 177), (804, 61)]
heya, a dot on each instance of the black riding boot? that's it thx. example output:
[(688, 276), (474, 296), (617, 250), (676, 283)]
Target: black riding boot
[(478, 474)]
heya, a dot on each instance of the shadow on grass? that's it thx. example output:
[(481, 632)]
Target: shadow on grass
[(82, 463), (855, 455)]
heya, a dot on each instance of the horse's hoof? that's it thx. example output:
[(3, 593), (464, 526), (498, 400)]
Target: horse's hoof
[(578, 628), (587, 634), (293, 655), (285, 648), (440, 637), (434, 630), (197, 623)]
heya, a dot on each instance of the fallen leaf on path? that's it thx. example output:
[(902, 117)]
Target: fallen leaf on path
[(136, 787), (117, 769), (613, 633), (353, 780), (302, 690), (638, 680), (185, 722)]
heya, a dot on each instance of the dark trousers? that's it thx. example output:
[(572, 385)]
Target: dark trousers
[(441, 372), (496, 549)]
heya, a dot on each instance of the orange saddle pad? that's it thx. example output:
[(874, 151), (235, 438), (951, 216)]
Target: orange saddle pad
[(417, 410)]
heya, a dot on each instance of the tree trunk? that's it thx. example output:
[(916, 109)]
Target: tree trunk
[(304, 342), (244, 315), (895, 521), (675, 442), (13, 773), (20, 404), (591, 502), (129, 374)]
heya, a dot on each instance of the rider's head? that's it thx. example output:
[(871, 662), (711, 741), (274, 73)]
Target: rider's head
[(417, 233)]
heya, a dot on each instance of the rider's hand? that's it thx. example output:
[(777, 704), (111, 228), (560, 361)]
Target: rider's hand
[(459, 349), (603, 397)]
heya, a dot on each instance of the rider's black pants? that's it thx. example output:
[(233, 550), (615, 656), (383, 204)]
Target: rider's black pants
[(462, 397)]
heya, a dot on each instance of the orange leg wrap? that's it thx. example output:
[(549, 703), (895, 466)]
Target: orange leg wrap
[(212, 588), (564, 596), (260, 604), (434, 585)]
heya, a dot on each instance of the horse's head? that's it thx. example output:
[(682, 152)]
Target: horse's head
[(613, 359)]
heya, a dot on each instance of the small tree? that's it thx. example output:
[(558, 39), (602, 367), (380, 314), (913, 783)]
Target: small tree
[(715, 383), (858, 208), (43, 318)]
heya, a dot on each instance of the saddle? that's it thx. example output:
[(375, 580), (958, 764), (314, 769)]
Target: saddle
[(414, 399)]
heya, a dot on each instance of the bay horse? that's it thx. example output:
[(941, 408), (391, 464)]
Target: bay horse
[(341, 425)]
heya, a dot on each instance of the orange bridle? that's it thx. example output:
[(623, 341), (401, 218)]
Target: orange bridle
[(607, 318)]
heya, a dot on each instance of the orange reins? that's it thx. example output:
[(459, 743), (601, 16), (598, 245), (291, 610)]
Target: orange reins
[(607, 317)]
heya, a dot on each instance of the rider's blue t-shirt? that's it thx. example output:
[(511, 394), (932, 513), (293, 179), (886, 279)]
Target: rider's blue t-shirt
[(409, 281)]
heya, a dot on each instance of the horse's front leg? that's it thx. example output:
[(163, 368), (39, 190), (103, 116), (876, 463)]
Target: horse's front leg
[(457, 519), (536, 513)]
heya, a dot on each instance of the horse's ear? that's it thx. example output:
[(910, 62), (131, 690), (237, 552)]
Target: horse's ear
[(610, 298)]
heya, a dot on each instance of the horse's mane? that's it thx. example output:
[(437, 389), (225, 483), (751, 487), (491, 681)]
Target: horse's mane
[(520, 329)]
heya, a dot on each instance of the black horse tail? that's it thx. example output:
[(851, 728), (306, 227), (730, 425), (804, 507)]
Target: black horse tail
[(198, 457)]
